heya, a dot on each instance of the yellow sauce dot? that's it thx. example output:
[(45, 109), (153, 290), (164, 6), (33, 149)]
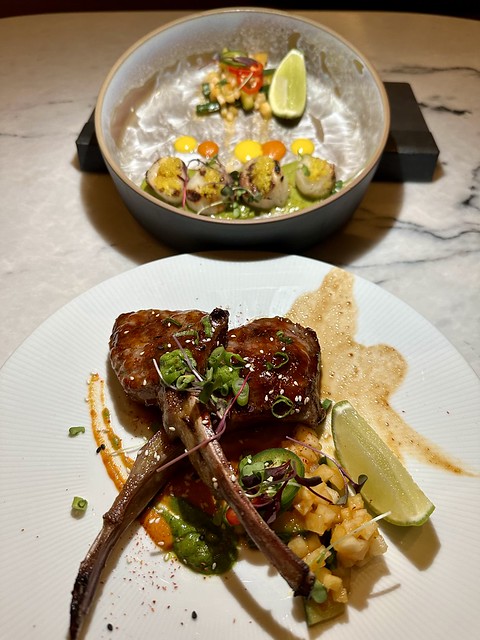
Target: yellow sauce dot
[(185, 144), (247, 150), (302, 147)]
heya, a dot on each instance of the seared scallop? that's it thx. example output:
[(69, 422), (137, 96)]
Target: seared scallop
[(167, 177), (209, 189), (315, 177), (264, 182)]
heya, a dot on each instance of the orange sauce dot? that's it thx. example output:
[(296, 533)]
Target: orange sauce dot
[(274, 149), (208, 149)]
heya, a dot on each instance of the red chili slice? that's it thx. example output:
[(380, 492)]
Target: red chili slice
[(250, 78)]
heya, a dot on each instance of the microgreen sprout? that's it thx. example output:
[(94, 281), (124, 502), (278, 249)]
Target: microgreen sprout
[(347, 479), (271, 479)]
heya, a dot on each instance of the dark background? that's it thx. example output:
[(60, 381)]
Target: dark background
[(469, 9)]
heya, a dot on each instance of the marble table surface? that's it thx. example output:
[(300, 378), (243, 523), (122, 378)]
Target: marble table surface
[(63, 231)]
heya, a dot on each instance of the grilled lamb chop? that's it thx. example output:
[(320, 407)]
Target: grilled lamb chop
[(283, 364), (137, 339), (144, 481), (283, 361), (140, 337), (192, 421)]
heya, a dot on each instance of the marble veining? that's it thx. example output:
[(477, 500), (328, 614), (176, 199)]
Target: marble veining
[(63, 231)]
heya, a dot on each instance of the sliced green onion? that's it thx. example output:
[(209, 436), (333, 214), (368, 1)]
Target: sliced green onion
[(282, 407), (240, 387), (171, 320), (283, 338), (207, 326), (187, 332), (283, 359), (79, 504), (327, 403), (174, 364), (74, 431), (183, 382)]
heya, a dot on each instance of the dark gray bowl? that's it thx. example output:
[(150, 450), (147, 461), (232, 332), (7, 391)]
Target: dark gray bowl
[(337, 72)]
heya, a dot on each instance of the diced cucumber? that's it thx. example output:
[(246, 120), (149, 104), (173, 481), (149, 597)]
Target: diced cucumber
[(316, 613)]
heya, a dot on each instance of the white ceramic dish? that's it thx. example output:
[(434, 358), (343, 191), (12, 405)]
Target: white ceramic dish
[(428, 584)]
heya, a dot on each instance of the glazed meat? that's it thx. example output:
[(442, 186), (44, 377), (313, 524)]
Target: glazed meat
[(137, 339), (140, 337), (283, 363)]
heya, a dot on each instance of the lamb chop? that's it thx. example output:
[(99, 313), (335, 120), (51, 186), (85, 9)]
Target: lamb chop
[(266, 345), (137, 339), (283, 361)]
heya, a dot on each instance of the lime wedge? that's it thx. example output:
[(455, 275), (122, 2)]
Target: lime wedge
[(389, 487), (288, 90)]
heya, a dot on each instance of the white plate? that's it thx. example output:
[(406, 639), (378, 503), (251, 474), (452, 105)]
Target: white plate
[(428, 584)]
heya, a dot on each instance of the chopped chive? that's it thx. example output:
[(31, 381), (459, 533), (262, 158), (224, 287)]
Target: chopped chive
[(171, 320), (283, 338), (79, 504), (282, 407), (74, 431), (188, 332), (207, 326), (282, 357)]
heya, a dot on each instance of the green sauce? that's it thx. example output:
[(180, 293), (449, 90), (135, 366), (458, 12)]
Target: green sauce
[(198, 542)]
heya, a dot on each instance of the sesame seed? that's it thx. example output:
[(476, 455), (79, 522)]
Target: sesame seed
[(132, 378)]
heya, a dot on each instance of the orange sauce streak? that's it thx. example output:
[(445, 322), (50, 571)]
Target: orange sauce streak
[(117, 463)]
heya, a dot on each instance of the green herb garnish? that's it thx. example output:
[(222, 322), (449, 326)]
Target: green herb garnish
[(74, 431)]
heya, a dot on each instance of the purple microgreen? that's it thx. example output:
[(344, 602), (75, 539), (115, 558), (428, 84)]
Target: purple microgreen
[(347, 479)]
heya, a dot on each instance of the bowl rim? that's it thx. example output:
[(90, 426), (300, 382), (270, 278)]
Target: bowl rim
[(114, 167)]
